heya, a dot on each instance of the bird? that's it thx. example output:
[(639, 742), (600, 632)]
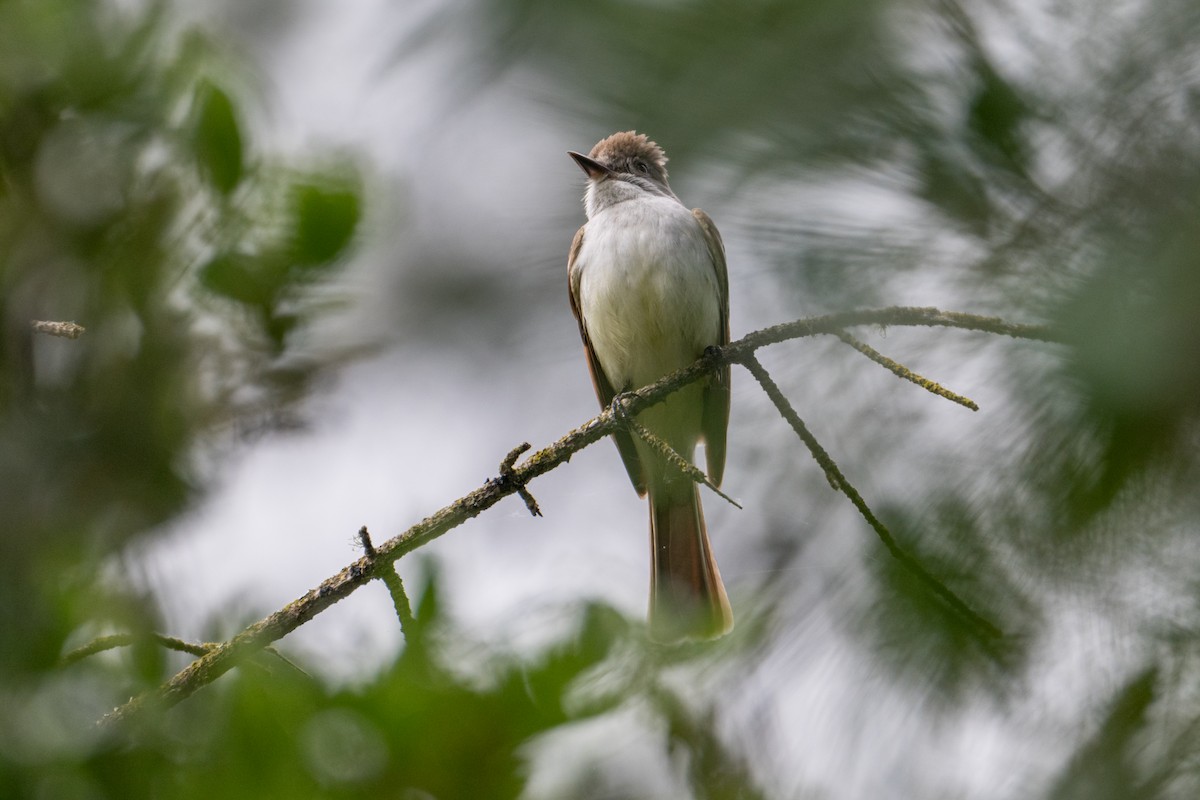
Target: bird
[(649, 288)]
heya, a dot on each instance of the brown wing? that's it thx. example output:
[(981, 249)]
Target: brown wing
[(604, 388), (715, 422)]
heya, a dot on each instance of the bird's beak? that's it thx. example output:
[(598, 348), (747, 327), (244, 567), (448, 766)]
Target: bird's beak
[(594, 169)]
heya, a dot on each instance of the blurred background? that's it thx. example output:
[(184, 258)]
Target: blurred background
[(319, 250)]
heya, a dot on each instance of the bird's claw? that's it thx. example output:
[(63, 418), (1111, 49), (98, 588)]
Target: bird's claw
[(620, 406)]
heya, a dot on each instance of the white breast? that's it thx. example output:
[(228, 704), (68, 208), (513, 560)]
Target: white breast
[(648, 290)]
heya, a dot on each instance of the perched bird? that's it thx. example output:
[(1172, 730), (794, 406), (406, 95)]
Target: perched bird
[(649, 288)]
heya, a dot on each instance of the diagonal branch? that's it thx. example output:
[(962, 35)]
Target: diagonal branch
[(221, 659), (903, 372), (839, 481), (679, 462)]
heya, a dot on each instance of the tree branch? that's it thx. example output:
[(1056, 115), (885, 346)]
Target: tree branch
[(904, 373), (66, 330), (395, 586), (113, 641), (679, 462), (217, 661), (982, 626)]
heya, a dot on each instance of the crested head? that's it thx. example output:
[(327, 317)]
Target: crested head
[(632, 152), (630, 166)]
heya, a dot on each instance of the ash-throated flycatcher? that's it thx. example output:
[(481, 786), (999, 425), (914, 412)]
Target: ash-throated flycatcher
[(650, 291)]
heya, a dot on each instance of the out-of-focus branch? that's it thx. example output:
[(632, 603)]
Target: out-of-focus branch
[(67, 330), (113, 641), (513, 479)]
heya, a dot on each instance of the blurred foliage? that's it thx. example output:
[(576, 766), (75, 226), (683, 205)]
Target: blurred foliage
[(1051, 151), (133, 202), (764, 78), (218, 141), (927, 643), (449, 719)]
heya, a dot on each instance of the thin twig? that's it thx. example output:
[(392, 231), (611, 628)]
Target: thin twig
[(508, 474), (220, 660), (895, 315), (904, 372), (391, 579), (983, 626), (113, 641), (364, 538), (679, 462), (278, 656)]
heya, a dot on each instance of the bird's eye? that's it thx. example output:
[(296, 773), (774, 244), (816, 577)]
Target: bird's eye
[(641, 167)]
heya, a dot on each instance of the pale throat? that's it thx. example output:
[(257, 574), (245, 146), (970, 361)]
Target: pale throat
[(608, 192)]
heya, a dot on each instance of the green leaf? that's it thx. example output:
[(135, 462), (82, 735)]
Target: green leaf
[(280, 326), (997, 114), (954, 188), (326, 218), (232, 277), (218, 139), (1107, 766)]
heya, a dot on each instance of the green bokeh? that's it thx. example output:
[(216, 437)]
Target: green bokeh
[(133, 200)]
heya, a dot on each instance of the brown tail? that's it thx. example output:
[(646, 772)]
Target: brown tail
[(687, 598)]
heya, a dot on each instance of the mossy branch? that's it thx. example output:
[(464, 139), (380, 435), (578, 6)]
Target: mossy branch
[(395, 586), (979, 624), (513, 480), (904, 373), (113, 641)]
